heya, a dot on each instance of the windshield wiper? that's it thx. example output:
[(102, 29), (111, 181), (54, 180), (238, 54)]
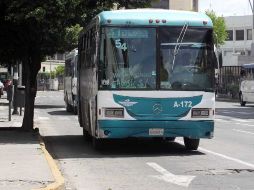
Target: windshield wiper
[(179, 42)]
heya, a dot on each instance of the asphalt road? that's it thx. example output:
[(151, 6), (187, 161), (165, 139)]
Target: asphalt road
[(224, 162)]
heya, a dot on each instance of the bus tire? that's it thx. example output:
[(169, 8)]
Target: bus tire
[(171, 139), (242, 103), (191, 144), (97, 143)]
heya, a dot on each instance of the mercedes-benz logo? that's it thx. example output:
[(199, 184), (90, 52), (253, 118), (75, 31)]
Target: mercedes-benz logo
[(157, 108)]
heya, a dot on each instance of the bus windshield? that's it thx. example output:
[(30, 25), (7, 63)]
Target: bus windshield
[(189, 64), (128, 59)]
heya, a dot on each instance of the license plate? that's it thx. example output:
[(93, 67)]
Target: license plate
[(156, 132)]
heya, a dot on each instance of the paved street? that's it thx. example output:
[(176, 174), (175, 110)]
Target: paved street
[(224, 162)]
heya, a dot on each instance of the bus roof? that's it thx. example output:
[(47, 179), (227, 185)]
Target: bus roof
[(248, 66), (157, 17)]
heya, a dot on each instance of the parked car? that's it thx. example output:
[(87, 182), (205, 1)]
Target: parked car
[(246, 92), (1, 89)]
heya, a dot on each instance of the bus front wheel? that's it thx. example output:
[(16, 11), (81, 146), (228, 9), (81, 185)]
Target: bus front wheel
[(191, 144), (171, 139)]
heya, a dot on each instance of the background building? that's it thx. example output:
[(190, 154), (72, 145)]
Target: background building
[(237, 49), (187, 5), (52, 62)]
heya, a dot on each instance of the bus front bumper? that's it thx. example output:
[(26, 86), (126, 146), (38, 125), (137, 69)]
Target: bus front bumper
[(134, 128)]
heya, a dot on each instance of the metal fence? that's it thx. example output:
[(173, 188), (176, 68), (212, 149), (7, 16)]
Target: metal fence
[(45, 83), (229, 80)]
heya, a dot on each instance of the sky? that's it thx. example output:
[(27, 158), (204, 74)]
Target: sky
[(226, 7)]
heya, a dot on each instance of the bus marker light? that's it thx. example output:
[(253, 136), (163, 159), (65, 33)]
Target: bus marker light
[(205, 22), (109, 21), (157, 21), (164, 21), (150, 21)]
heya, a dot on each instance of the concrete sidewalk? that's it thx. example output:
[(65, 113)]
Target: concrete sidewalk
[(24, 162)]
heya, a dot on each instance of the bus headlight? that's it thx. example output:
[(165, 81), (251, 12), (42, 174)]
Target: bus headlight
[(200, 112), (114, 112)]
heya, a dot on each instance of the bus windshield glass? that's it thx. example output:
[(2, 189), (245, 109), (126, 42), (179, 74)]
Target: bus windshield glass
[(128, 58), (188, 63), (186, 59)]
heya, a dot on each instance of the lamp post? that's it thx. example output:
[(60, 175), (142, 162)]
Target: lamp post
[(15, 84), (251, 6)]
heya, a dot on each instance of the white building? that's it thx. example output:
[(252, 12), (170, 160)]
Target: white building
[(52, 62), (187, 5), (237, 48)]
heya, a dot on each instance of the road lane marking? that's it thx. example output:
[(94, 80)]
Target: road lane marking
[(245, 124), (242, 131), (222, 156), (221, 120), (239, 120), (180, 180), (227, 121)]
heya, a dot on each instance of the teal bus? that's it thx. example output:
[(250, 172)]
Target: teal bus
[(147, 73)]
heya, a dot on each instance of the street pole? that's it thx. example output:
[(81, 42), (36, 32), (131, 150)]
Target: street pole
[(50, 76), (251, 6), (15, 84)]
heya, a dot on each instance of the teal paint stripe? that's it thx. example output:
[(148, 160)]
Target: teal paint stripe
[(142, 108), (133, 128)]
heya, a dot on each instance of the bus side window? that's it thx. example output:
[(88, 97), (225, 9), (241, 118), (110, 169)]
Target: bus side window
[(93, 47)]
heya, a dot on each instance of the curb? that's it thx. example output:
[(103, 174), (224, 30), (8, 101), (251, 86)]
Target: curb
[(59, 179)]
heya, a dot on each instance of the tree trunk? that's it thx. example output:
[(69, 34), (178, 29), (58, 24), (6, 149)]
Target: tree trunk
[(31, 68)]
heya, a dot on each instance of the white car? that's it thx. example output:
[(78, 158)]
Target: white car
[(246, 93)]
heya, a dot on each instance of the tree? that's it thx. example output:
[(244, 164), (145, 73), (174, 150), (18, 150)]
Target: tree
[(59, 70), (219, 28), (32, 29)]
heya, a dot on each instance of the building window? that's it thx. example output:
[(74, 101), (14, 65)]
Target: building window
[(249, 34), (230, 35), (239, 35)]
